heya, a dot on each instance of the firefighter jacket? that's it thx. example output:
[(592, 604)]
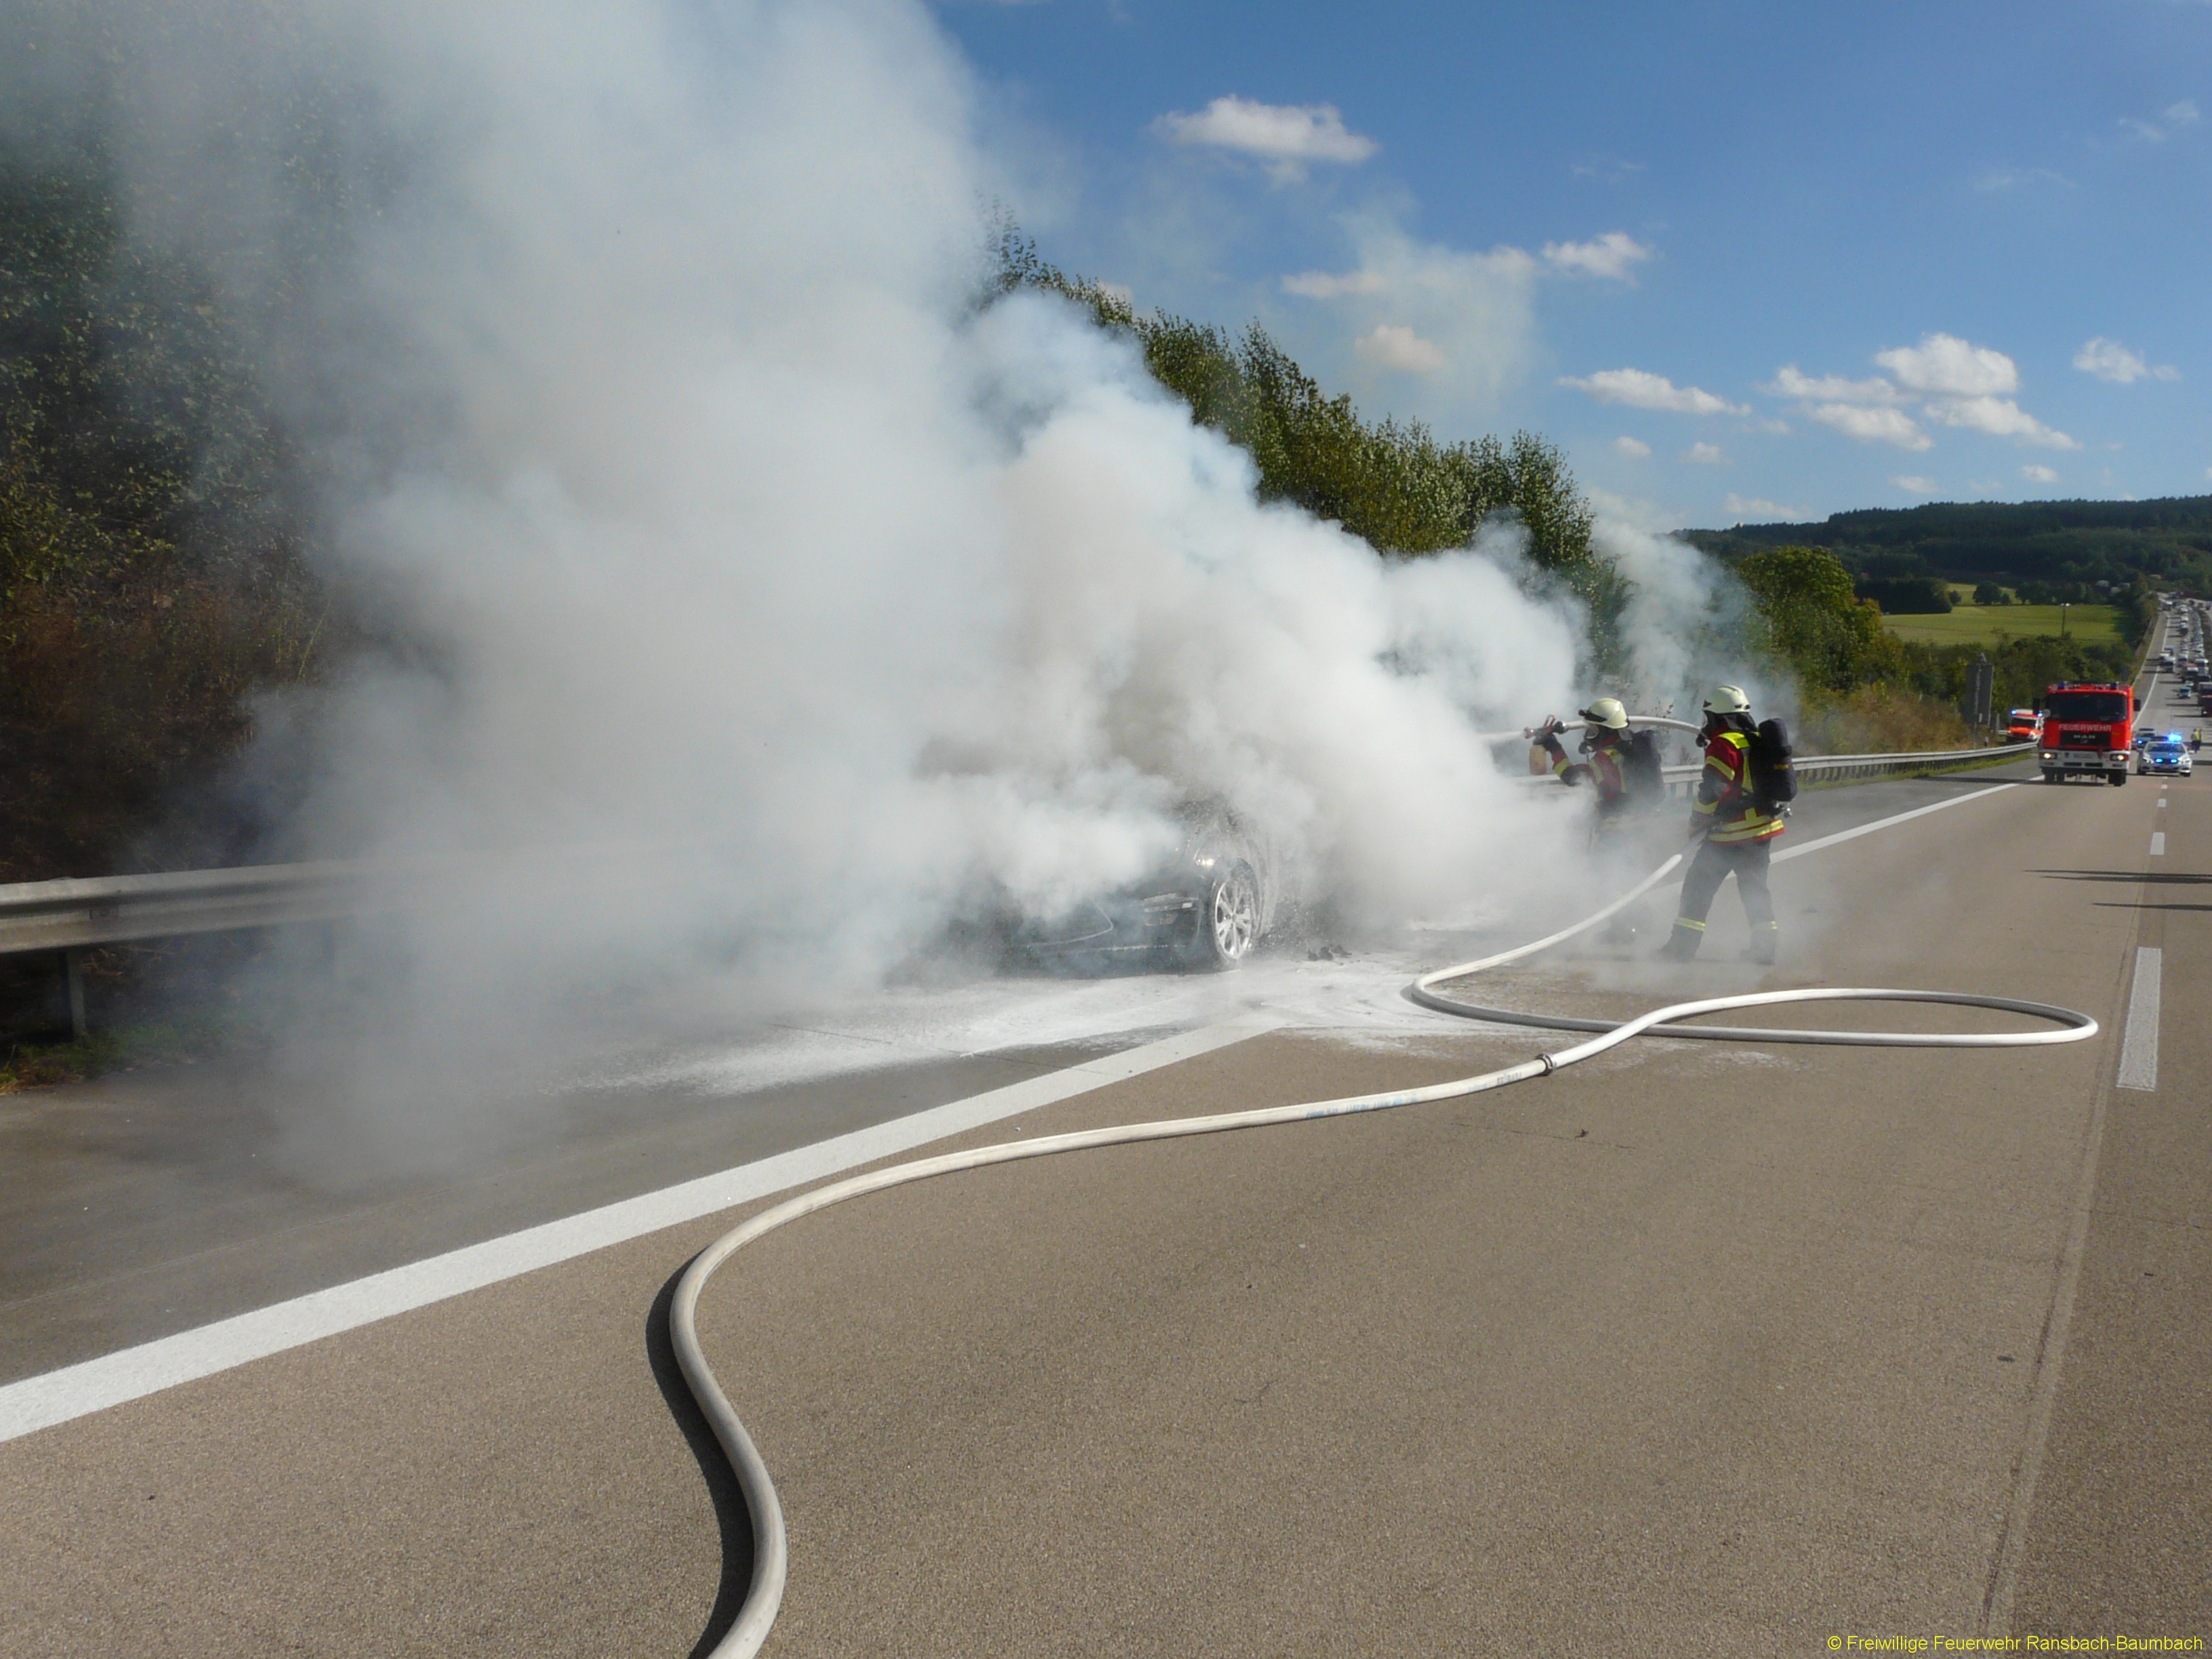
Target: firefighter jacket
[(1605, 767), (1725, 805)]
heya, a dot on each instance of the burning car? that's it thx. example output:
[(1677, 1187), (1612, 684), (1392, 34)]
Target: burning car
[(1203, 906)]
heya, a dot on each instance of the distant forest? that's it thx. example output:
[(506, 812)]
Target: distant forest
[(2062, 548)]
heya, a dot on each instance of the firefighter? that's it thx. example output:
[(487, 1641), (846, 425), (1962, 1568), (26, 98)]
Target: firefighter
[(1735, 837), (1605, 756), (1605, 767)]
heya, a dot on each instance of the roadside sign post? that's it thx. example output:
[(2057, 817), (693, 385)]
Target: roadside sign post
[(1981, 681)]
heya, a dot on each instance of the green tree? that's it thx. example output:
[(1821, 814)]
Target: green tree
[(1810, 620), (1991, 593), (150, 578)]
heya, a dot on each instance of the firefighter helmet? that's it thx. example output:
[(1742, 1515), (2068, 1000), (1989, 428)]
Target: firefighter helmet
[(1728, 700), (1608, 713)]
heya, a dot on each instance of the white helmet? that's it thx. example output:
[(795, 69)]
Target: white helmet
[(1728, 700), (1608, 713)]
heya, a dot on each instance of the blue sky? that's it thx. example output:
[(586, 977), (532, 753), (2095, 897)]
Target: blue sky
[(1743, 260)]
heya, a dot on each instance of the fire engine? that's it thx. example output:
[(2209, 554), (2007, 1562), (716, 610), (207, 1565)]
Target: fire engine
[(2086, 730)]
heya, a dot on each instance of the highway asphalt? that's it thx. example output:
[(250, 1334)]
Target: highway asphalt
[(1699, 1347)]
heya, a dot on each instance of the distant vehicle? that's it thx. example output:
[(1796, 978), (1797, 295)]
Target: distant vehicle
[(2087, 731), (2168, 754), (2166, 661), (2023, 726)]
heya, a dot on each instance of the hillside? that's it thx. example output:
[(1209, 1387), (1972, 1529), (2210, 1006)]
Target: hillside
[(2064, 545)]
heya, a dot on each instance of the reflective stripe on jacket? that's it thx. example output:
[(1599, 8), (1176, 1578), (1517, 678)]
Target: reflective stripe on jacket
[(1724, 792)]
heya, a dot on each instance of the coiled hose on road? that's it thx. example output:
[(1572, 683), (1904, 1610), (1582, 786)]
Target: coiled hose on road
[(771, 1562)]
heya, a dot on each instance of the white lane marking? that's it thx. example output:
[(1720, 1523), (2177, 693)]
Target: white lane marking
[(2139, 1049), (2162, 806), (1884, 824), (2158, 843), (39, 1402)]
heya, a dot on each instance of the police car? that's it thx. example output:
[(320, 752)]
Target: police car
[(2166, 753)]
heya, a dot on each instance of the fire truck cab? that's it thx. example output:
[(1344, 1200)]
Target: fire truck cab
[(2087, 731)]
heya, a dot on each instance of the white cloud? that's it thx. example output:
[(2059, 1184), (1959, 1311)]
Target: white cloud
[(2108, 359), (1832, 388), (1634, 448), (1758, 508), (1913, 484), (1610, 256), (2143, 129), (1287, 135), (2185, 113), (2038, 474), (1871, 426), (1704, 454), (1394, 346), (1945, 366), (1323, 285), (1639, 389), (1999, 417)]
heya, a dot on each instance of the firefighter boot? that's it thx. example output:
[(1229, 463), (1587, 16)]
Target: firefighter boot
[(1762, 948), (1682, 943)]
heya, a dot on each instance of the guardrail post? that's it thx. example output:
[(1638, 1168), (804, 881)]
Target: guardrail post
[(73, 977)]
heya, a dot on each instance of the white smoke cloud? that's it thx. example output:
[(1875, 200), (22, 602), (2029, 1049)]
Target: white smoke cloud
[(649, 395), (1687, 620)]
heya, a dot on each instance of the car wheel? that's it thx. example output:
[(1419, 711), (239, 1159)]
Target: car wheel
[(1228, 921), (2117, 778)]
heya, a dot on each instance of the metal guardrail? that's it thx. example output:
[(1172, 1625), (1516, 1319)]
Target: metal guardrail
[(76, 914), (1839, 768), (1835, 768)]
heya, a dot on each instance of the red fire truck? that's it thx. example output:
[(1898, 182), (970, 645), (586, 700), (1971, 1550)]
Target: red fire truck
[(2087, 730)]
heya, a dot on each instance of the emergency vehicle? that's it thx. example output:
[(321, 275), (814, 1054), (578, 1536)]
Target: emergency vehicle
[(2023, 726), (2087, 731)]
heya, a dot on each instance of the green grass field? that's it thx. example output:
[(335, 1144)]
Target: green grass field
[(1980, 624)]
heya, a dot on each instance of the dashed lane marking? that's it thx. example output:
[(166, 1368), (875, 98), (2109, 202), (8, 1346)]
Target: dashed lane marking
[(2139, 1049), (2158, 844)]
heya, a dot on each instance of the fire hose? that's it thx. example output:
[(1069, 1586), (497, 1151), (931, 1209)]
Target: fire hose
[(771, 1560)]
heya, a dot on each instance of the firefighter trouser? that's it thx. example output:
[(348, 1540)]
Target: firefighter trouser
[(1715, 861)]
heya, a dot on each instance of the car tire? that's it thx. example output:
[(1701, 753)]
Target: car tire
[(2117, 778), (2051, 777), (1228, 923)]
